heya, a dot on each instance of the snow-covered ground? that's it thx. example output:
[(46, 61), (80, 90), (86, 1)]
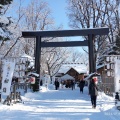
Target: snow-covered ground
[(62, 104)]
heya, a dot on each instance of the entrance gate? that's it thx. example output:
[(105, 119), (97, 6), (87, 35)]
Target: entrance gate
[(65, 33)]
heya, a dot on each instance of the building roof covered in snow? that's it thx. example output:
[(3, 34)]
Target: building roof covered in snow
[(80, 68), (66, 77)]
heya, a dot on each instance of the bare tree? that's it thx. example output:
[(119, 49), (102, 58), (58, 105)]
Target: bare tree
[(39, 21), (79, 57), (92, 14), (6, 46), (76, 56), (54, 58), (37, 16)]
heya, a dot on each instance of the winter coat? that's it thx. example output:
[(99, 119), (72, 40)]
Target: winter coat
[(56, 83), (117, 96), (82, 84), (93, 89)]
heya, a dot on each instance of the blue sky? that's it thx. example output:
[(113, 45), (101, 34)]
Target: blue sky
[(58, 8)]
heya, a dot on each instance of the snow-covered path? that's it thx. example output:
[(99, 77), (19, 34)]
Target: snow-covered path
[(62, 104)]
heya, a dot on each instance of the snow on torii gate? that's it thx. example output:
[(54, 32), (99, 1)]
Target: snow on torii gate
[(91, 32)]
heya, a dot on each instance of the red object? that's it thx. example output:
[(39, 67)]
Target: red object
[(32, 80), (95, 79)]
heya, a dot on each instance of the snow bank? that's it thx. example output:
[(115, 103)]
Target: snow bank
[(103, 96)]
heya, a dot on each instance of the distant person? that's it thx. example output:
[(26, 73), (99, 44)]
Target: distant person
[(93, 92), (41, 83), (72, 84), (56, 84), (116, 97), (81, 85)]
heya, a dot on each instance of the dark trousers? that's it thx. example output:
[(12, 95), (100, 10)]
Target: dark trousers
[(93, 100), (81, 89)]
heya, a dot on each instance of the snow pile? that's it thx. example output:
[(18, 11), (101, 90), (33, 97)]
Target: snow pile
[(106, 102), (103, 96), (33, 96)]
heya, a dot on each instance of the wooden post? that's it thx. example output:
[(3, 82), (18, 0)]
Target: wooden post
[(92, 62), (14, 92), (37, 62)]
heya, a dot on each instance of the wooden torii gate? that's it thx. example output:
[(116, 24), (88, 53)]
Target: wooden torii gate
[(91, 32)]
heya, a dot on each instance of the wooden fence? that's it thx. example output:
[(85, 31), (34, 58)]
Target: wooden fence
[(107, 84)]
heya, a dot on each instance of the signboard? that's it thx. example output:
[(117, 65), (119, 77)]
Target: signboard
[(8, 69)]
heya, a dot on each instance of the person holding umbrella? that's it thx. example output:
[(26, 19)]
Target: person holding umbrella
[(93, 92)]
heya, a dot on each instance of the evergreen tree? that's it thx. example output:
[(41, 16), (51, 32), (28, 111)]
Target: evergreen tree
[(5, 2), (4, 21)]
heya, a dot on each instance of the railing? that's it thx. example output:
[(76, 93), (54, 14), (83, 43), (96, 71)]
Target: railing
[(15, 95), (107, 85)]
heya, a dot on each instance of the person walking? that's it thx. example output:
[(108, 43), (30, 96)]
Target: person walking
[(93, 92), (72, 84), (41, 82), (81, 85), (116, 97), (56, 84)]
